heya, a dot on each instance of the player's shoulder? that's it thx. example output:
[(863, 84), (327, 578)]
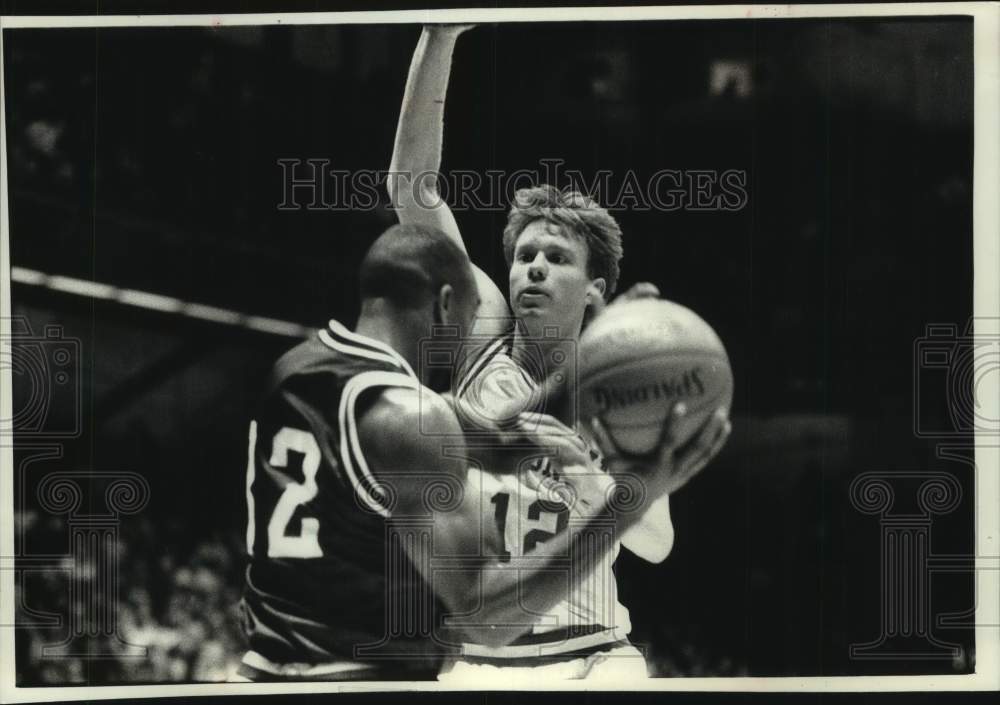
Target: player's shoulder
[(304, 359), (326, 352), (493, 315), (310, 355), (402, 420)]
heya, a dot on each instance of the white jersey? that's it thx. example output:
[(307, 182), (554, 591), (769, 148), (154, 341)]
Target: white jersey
[(498, 387)]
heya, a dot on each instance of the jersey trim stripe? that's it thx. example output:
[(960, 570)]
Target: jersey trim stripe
[(559, 643), (251, 476), (301, 670), (484, 357), (350, 338), (351, 454), (354, 351)]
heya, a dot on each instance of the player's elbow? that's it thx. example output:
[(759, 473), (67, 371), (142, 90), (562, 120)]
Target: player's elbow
[(392, 182), (652, 546), (663, 546), (658, 554), (407, 189)]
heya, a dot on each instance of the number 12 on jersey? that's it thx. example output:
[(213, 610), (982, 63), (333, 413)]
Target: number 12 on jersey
[(539, 522), (305, 544)]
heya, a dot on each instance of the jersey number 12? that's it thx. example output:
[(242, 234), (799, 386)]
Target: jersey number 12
[(279, 544)]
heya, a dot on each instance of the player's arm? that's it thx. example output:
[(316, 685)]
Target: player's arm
[(416, 153), (652, 536), (412, 182), (664, 472), (415, 443)]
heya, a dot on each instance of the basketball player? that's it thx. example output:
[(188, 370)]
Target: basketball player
[(563, 251), (357, 475)]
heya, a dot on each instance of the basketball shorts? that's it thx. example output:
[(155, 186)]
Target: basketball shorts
[(255, 668), (612, 663)]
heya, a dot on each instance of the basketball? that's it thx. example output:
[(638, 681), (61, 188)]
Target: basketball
[(637, 359)]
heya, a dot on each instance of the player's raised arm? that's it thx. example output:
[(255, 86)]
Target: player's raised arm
[(416, 160), (416, 154)]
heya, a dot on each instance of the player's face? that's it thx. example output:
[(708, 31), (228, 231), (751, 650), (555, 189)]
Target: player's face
[(548, 277)]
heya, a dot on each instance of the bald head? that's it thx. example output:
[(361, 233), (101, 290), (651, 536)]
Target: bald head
[(409, 264)]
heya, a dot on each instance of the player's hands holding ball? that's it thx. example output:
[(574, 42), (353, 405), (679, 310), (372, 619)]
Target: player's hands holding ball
[(579, 481), (655, 387), (641, 290), (672, 464), (573, 476)]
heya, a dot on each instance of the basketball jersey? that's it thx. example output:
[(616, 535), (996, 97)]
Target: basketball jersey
[(497, 386), (316, 587)]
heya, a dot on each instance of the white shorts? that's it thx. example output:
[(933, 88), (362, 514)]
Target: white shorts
[(257, 668), (618, 665)]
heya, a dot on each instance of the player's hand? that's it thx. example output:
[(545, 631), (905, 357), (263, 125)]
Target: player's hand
[(549, 433), (450, 29), (530, 435), (641, 290), (575, 479), (670, 466)]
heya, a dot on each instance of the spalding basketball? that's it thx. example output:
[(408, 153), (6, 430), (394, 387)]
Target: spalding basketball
[(637, 359)]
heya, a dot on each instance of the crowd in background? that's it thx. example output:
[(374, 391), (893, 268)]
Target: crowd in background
[(177, 613), (177, 610)]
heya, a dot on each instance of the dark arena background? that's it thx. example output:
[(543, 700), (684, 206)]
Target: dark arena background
[(145, 185)]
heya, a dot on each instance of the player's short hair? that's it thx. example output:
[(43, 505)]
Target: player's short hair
[(408, 265), (578, 215)]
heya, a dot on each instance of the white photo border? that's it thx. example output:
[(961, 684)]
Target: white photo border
[(986, 251)]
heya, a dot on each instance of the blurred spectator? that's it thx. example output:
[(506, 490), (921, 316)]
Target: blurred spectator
[(180, 608)]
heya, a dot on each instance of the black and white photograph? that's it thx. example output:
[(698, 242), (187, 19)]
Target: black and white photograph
[(500, 349)]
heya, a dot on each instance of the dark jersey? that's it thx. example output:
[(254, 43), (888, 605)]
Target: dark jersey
[(316, 585)]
